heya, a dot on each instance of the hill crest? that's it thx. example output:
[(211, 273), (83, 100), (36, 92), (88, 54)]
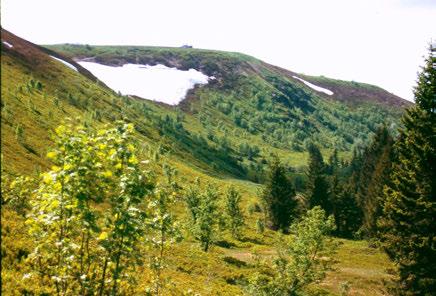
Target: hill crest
[(224, 65)]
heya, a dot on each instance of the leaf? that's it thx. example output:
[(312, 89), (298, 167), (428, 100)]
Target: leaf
[(55, 168), (103, 235), (47, 178), (51, 155), (60, 130), (107, 174), (133, 159)]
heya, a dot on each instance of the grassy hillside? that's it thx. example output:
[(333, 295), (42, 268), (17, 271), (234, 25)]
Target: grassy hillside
[(250, 107), (224, 132), (258, 99)]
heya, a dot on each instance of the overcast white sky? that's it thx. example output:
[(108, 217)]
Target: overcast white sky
[(375, 41)]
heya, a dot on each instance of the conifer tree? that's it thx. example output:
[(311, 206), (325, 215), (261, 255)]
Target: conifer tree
[(368, 173), (409, 221), (375, 172), (317, 184), (279, 197), (333, 164), (341, 200), (345, 210)]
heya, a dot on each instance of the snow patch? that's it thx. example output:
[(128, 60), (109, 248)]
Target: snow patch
[(7, 44), (65, 63), (157, 83), (315, 87)]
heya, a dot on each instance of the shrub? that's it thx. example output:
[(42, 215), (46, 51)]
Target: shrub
[(303, 258), (233, 210), (80, 245)]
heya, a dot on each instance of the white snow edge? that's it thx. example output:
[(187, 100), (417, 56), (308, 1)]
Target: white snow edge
[(158, 83), (315, 87), (65, 63), (7, 44)]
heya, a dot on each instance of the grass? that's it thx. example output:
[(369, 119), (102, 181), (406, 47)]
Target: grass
[(224, 270), (364, 268)]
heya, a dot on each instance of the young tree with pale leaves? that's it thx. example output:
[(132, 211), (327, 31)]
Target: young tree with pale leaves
[(163, 227), (233, 211), (304, 257), (204, 224), (88, 214)]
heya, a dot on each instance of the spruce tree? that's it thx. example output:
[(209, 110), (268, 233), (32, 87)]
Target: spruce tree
[(368, 173), (377, 167), (333, 165), (409, 223), (343, 203), (346, 212), (317, 185), (279, 197)]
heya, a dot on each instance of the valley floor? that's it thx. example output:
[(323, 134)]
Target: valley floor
[(226, 267), (359, 269)]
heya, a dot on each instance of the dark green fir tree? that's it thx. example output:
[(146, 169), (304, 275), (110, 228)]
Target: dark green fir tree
[(345, 210), (409, 221), (374, 175), (317, 184), (342, 201), (278, 197), (367, 174)]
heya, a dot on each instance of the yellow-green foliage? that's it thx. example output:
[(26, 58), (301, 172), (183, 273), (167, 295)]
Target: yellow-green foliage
[(36, 99), (88, 213), (101, 158)]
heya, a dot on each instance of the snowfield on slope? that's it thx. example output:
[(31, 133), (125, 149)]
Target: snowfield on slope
[(65, 63), (7, 44), (157, 83), (315, 87)]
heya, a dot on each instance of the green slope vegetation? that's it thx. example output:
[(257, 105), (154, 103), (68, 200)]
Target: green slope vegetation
[(229, 126), (262, 99), (224, 132)]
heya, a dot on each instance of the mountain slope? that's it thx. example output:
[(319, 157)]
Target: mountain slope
[(249, 102), (224, 133), (230, 68), (264, 105), (38, 92)]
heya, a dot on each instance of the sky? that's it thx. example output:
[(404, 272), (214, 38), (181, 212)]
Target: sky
[(382, 42)]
